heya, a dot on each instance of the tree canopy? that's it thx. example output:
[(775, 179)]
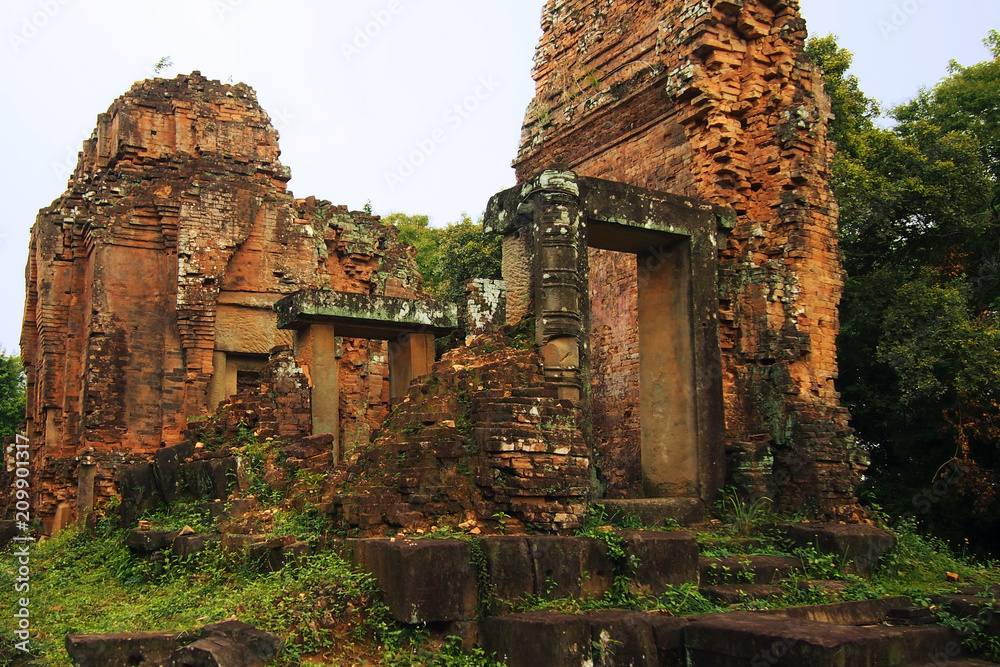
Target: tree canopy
[(11, 394), (920, 338), (448, 257)]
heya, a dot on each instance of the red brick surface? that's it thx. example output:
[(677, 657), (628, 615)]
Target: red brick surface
[(712, 99), (176, 231)]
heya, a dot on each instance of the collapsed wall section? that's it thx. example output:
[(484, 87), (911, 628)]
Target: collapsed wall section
[(711, 99)]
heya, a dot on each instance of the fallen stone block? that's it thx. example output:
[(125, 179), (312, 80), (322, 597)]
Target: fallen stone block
[(570, 567), (538, 639), (227, 644), (664, 559), (213, 652), (422, 581), (145, 542), (142, 649), (240, 544), (260, 647), (191, 545)]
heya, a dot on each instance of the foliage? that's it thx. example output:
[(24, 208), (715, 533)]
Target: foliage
[(181, 514), (975, 635), (744, 517), (854, 111), (919, 345), (448, 257), (11, 394), (90, 582), (163, 64)]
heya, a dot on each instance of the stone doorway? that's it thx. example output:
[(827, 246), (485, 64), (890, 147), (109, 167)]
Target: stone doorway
[(558, 223)]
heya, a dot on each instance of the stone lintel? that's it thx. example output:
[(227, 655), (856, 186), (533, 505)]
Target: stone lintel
[(366, 316), (608, 204)]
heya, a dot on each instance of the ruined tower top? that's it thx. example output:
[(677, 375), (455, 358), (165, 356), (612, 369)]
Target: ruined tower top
[(183, 118)]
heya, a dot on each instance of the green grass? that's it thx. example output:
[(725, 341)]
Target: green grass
[(91, 583)]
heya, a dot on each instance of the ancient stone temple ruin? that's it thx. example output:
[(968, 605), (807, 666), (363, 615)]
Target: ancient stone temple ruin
[(669, 311), (151, 281)]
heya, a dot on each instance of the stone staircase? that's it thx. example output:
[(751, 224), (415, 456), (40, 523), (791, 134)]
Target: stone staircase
[(478, 588), (739, 578), (474, 589)]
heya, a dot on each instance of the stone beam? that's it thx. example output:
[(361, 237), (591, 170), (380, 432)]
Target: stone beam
[(366, 316)]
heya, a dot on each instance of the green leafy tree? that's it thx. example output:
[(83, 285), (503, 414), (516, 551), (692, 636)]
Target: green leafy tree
[(854, 112), (11, 394), (920, 338), (448, 257)]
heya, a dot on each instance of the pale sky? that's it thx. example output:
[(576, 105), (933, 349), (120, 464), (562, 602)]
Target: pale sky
[(348, 110)]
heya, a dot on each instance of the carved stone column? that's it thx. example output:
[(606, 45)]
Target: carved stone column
[(559, 268)]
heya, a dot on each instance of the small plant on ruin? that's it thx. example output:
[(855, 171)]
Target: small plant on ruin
[(744, 517), (501, 519), (163, 64), (819, 565), (974, 632)]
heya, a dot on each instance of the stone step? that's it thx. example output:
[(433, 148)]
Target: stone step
[(741, 638), (859, 546), (654, 512), (954, 662), (737, 639), (601, 639), (746, 570), (737, 593), (419, 578)]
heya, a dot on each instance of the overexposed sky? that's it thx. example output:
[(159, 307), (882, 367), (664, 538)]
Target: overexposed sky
[(349, 108)]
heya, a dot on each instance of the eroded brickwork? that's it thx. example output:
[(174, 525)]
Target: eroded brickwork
[(160, 264), (483, 436), (714, 99), (614, 349)]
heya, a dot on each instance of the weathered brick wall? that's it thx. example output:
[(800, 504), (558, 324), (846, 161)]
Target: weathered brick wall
[(482, 434), (280, 408), (714, 99), (174, 238), (614, 349)]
